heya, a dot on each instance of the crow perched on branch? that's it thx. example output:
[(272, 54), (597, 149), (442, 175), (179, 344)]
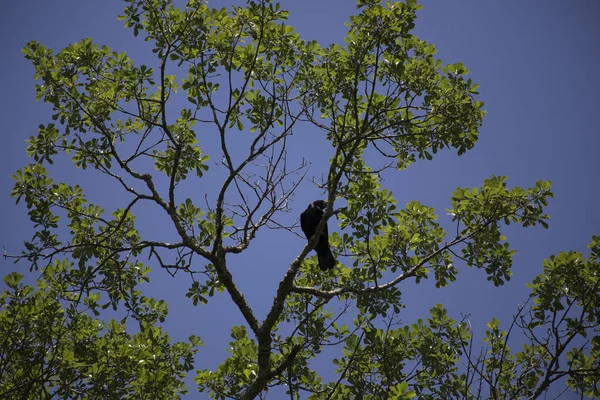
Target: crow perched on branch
[(309, 220)]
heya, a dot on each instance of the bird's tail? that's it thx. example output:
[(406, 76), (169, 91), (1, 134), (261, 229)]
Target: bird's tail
[(326, 261)]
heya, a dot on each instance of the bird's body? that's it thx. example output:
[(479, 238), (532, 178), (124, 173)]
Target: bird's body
[(309, 221)]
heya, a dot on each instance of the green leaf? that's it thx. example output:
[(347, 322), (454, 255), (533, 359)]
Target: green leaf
[(12, 280)]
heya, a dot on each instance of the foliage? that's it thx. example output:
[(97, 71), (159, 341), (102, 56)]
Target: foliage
[(382, 101), (52, 348)]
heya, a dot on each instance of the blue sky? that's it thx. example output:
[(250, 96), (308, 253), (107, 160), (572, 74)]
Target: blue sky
[(536, 63)]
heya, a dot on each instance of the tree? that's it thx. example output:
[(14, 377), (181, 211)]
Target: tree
[(382, 101)]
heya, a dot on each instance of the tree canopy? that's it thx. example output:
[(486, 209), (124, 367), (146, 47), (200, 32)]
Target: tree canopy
[(242, 76)]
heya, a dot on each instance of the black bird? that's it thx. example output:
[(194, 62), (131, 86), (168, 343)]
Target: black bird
[(309, 220)]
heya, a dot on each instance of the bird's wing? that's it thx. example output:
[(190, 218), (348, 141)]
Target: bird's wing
[(325, 231), (305, 225)]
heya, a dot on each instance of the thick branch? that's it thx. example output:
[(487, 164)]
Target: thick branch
[(261, 381)]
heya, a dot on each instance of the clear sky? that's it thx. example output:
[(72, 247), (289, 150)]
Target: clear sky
[(537, 64)]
